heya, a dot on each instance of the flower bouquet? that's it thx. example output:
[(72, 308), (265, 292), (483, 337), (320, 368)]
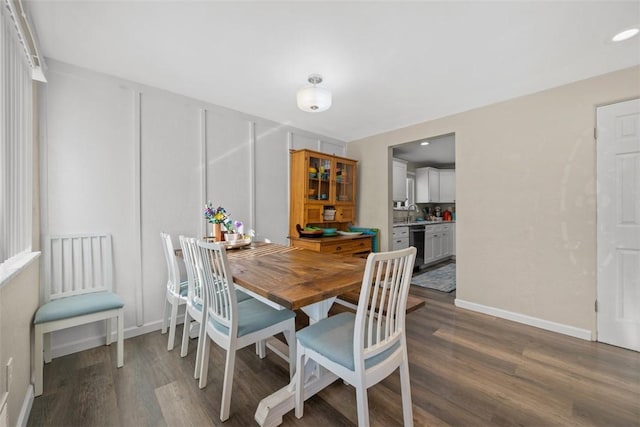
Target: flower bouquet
[(217, 217)]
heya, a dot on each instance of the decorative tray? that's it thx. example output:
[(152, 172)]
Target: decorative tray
[(309, 233), (237, 244), (349, 233)]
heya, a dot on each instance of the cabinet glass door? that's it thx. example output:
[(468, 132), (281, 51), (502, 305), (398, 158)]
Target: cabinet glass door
[(345, 182), (318, 187)]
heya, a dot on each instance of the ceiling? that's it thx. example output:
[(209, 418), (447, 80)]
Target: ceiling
[(440, 152), (388, 64)]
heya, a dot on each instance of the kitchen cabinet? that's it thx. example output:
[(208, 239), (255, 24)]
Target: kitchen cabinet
[(399, 180), (453, 239), (427, 185), (430, 239), (446, 241), (435, 185), (400, 238), (447, 185), (322, 192), (437, 242)]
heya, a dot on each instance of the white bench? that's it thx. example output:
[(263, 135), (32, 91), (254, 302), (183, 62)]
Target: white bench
[(78, 286)]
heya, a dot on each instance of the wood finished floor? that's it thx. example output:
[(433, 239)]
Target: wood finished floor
[(467, 369)]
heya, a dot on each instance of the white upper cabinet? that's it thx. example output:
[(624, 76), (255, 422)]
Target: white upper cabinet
[(435, 185), (427, 185), (399, 180), (447, 185)]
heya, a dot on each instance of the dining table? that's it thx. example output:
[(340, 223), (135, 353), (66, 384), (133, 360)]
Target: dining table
[(294, 278)]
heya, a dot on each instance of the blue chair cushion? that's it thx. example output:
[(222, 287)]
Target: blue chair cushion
[(77, 305), (333, 338), (184, 288), (241, 296), (253, 316)]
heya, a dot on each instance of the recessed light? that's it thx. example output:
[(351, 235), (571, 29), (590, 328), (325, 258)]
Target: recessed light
[(625, 35), (424, 143)]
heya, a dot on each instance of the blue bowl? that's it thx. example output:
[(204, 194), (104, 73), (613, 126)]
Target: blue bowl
[(328, 231)]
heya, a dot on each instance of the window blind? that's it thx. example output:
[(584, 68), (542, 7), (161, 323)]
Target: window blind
[(16, 105)]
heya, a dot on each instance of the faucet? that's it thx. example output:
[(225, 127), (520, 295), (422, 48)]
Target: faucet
[(410, 208)]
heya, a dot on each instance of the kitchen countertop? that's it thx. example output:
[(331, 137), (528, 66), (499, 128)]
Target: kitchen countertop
[(408, 224)]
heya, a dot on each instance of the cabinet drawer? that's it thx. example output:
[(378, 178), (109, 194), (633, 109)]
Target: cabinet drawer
[(400, 243), (347, 246), (399, 232)]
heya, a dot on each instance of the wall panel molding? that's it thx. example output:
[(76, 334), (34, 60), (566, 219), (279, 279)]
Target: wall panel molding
[(203, 164), (137, 202), (252, 174)]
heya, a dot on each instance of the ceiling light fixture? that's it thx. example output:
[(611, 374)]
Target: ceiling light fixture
[(314, 99), (625, 35), (424, 143)]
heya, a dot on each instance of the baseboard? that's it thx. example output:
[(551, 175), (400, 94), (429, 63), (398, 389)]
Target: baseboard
[(23, 417), (560, 328), (97, 341)]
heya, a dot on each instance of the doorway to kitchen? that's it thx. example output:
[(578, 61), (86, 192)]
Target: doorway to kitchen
[(423, 207)]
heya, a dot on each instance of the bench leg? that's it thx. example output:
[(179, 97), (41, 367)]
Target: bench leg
[(47, 347), (120, 339), (108, 330), (38, 362)]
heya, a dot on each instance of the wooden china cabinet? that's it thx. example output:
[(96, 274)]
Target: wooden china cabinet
[(323, 194)]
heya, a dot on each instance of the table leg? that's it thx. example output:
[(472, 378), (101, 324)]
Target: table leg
[(273, 407), (319, 310)]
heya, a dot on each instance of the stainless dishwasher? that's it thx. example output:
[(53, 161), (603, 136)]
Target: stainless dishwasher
[(416, 239)]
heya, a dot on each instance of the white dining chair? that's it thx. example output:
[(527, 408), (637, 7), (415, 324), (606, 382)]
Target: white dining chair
[(365, 347), (78, 285), (196, 304), (176, 292), (234, 325)]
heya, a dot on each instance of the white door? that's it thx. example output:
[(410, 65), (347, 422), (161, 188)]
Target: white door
[(618, 181)]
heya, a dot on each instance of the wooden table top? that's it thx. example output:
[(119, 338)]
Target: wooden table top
[(294, 277)]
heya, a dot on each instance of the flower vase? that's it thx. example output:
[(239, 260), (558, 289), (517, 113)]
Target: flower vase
[(217, 232)]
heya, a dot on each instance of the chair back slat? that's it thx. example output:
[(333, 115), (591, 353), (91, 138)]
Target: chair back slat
[(381, 309), (195, 294), (219, 290), (77, 264), (173, 271)]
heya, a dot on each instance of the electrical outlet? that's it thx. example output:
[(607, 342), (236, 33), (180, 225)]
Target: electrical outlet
[(9, 372)]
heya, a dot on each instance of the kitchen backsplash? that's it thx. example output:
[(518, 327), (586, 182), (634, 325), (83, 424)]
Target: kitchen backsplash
[(401, 214)]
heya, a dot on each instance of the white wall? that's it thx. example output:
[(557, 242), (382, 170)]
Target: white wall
[(525, 199), (130, 160), (18, 302)]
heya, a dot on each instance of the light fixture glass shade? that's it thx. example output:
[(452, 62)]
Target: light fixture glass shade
[(625, 35), (314, 99)]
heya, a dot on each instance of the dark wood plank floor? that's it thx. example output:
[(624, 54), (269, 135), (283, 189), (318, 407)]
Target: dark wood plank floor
[(467, 369)]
